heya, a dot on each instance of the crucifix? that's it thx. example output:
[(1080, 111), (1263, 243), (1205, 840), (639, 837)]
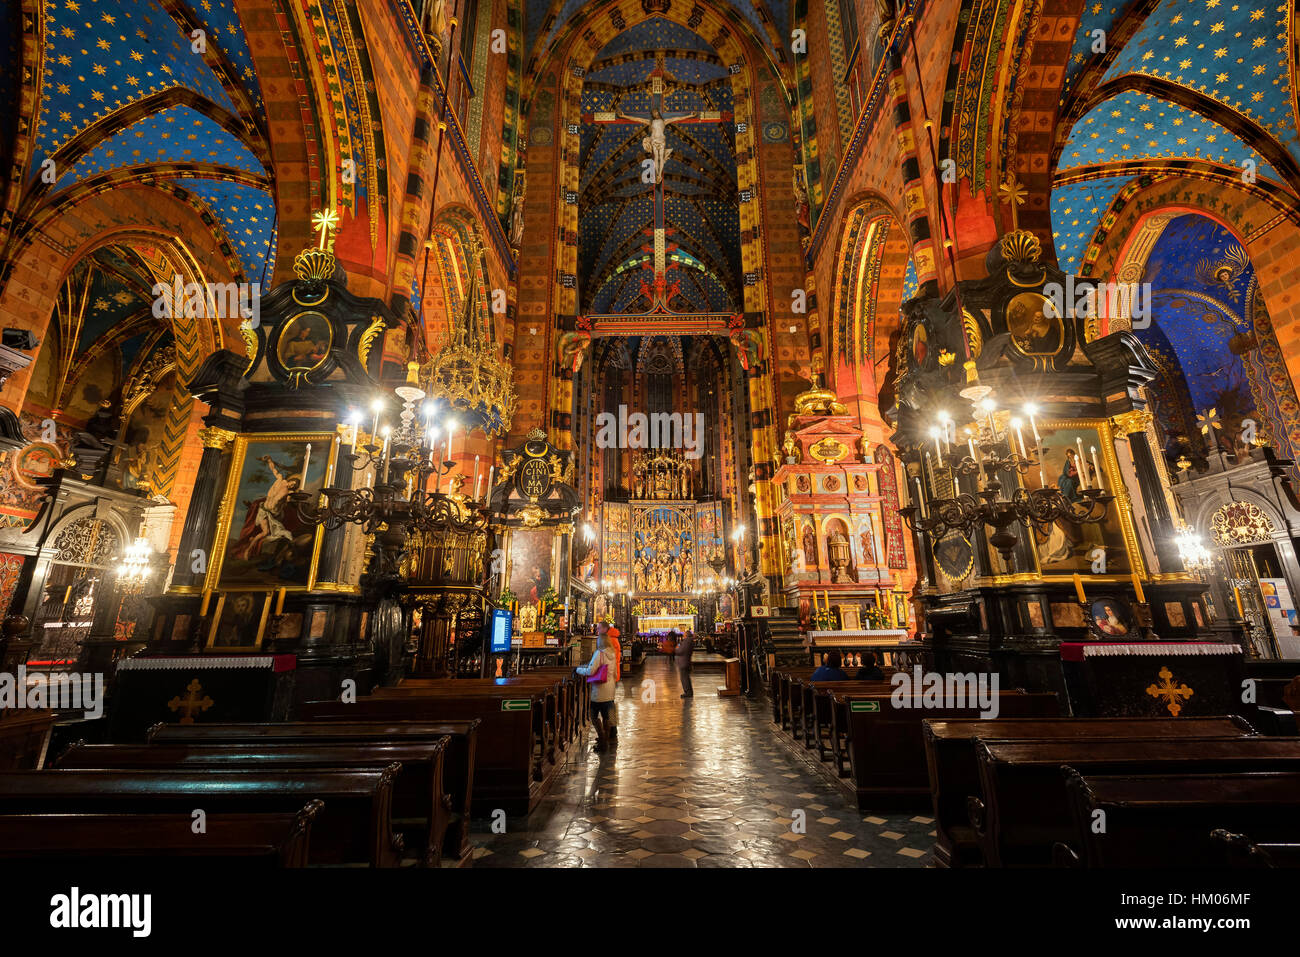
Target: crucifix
[(655, 143)]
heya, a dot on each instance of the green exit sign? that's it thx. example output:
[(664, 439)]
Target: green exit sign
[(516, 704), (864, 705)]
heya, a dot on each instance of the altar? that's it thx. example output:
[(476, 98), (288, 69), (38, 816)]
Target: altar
[(662, 624)]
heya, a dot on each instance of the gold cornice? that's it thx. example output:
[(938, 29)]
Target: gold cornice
[(216, 438), (1135, 420)]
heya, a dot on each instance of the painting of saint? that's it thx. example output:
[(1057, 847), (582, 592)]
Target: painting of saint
[(267, 543), (1068, 546), (305, 342), (530, 564), (1110, 617), (1034, 325), (240, 620)]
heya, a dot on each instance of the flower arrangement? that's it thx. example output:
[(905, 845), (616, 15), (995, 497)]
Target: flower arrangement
[(878, 618), (550, 608), (506, 599), (823, 621)]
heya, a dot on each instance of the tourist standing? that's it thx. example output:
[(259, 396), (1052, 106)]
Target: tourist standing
[(611, 635), (605, 667), (684, 649)]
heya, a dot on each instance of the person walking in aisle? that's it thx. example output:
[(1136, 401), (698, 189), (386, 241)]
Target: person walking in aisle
[(684, 649)]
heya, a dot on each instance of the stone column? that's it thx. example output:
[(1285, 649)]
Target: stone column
[(1133, 425), (205, 502)]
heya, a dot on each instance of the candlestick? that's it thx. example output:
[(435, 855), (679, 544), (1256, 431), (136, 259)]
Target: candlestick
[(1236, 594), (1082, 463), (387, 436), (1020, 440), (477, 478), (306, 457), (1096, 470), (1137, 589), (491, 468), (937, 450), (279, 601), (207, 597), (920, 499), (374, 429), (1078, 589)]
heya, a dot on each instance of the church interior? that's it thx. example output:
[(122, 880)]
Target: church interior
[(650, 433)]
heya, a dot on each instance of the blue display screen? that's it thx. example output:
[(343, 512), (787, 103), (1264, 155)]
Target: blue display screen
[(501, 628)]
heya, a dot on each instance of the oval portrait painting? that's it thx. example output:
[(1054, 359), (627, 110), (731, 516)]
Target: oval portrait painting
[(304, 342), (1035, 325)]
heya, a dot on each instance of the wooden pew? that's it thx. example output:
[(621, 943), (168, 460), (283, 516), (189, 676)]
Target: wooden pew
[(1024, 810), (1165, 820), (954, 769), (817, 725), (24, 738), (509, 773), (887, 750), (1241, 853), (354, 826), (553, 717), (459, 757), (541, 707), (272, 839), (418, 796)]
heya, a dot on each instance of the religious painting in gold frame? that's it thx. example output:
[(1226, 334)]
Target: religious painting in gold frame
[(239, 622), (261, 541), (304, 342), (1068, 547), (1035, 325)]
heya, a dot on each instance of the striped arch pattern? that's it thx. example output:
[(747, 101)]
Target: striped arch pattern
[(918, 224)]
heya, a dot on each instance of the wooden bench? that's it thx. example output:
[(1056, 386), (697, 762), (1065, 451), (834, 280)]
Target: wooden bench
[(1165, 820), (24, 739), (355, 826), (459, 757), (1240, 852), (418, 798), (954, 769), (554, 716), (1024, 810), (886, 747), (817, 726), (541, 707), (274, 839), (510, 772)]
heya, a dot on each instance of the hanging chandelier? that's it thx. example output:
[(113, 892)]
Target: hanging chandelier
[(1191, 549), (470, 377), (135, 569)]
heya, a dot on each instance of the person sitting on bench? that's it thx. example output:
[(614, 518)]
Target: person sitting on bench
[(870, 670), (602, 692), (830, 670)]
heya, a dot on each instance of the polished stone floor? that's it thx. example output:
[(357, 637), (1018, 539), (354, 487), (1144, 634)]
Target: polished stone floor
[(701, 782)]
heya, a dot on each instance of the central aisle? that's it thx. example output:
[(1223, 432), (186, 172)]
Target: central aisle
[(701, 782)]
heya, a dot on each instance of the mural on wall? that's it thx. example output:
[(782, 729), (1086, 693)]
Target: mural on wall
[(1223, 383), (895, 550), (135, 459)]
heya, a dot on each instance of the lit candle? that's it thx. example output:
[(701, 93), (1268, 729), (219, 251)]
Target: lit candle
[(938, 450), (1020, 438), (384, 454), (306, 458), (478, 478), (1082, 463), (920, 499), (1033, 424), (203, 608), (1137, 589), (374, 429), (1096, 470), (491, 468), (1078, 588), (970, 444), (279, 601)]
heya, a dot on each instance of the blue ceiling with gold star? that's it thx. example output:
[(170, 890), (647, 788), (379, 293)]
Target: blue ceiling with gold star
[(1136, 126), (126, 87), (616, 215), (1222, 95), (1233, 53)]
